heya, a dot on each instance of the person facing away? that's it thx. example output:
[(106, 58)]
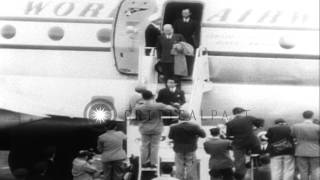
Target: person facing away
[(148, 116), (171, 94), (240, 129), (81, 168), (113, 155), (165, 43), (151, 34), (282, 160), (185, 136), (136, 98), (220, 163), (307, 149), (166, 170)]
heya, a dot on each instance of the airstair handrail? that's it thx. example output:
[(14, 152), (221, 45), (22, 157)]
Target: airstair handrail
[(200, 82), (146, 70), (201, 65)]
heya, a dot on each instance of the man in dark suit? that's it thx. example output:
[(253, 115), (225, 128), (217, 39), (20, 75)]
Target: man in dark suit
[(190, 30), (185, 137), (171, 95), (164, 46), (151, 35), (282, 160), (220, 163), (240, 129)]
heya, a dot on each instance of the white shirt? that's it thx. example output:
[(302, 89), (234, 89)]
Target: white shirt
[(165, 177), (173, 89), (169, 36), (186, 19)]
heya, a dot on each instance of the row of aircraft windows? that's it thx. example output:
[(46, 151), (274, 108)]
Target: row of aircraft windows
[(56, 33)]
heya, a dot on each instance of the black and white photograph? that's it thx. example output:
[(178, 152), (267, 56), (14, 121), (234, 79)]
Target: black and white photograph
[(159, 90)]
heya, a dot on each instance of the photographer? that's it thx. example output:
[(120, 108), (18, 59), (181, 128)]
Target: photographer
[(82, 169)]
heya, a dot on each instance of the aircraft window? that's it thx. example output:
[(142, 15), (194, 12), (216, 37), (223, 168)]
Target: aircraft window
[(56, 33), (8, 31), (104, 35)]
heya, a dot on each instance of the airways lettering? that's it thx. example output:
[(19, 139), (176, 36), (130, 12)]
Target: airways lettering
[(34, 8), (92, 8), (64, 9), (266, 17)]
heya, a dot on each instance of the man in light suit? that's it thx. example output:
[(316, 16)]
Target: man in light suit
[(164, 46), (307, 150)]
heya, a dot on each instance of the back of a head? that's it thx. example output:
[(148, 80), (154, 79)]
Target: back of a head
[(184, 116), (140, 88), (111, 125), (147, 95), (280, 121), (215, 131), (307, 114), (238, 110), (166, 169)]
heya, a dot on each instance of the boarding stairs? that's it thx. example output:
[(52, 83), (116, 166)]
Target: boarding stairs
[(194, 91)]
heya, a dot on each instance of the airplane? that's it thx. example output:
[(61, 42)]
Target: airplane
[(68, 66)]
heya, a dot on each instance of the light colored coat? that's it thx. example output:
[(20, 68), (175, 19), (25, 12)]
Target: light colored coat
[(82, 170), (307, 134), (180, 51)]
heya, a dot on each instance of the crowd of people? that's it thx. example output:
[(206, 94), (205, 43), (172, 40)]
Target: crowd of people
[(282, 152)]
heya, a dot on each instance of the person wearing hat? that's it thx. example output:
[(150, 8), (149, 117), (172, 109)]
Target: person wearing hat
[(148, 116), (113, 155), (185, 136), (136, 98), (220, 163), (282, 159), (240, 130)]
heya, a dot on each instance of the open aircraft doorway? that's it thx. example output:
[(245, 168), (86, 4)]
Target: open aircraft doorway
[(128, 33), (172, 12), (189, 27)]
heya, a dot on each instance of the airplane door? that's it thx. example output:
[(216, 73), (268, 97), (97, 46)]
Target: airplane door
[(129, 32)]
